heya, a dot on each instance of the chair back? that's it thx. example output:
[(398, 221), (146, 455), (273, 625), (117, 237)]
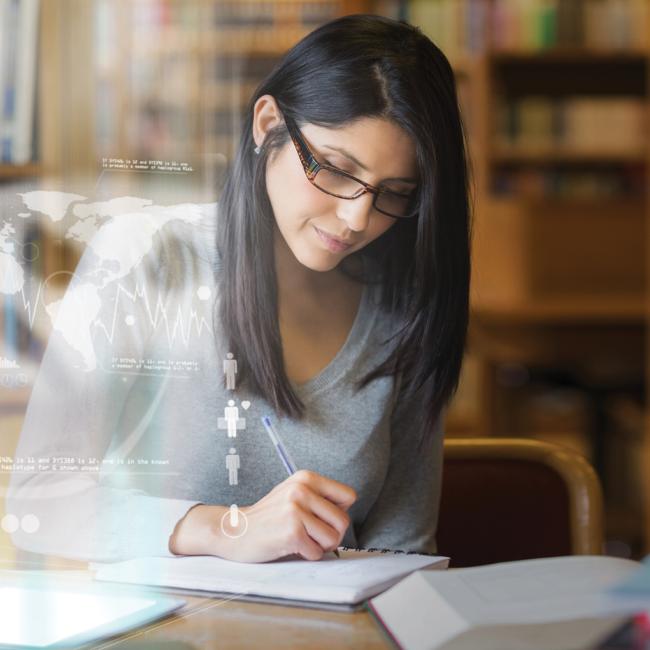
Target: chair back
[(509, 499)]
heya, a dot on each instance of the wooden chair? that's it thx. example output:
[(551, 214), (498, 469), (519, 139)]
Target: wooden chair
[(512, 499)]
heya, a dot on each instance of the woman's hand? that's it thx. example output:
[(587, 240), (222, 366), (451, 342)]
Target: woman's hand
[(304, 515)]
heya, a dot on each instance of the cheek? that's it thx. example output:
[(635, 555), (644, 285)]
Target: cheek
[(380, 225), (290, 193), (309, 200)]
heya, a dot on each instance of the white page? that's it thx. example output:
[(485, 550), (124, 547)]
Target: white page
[(421, 619), (535, 591), (418, 616), (526, 605), (350, 579)]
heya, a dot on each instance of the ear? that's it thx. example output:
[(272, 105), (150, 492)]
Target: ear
[(266, 115)]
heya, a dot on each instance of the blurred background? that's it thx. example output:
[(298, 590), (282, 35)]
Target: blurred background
[(109, 98)]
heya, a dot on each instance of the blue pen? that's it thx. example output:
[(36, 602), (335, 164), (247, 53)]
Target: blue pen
[(288, 463)]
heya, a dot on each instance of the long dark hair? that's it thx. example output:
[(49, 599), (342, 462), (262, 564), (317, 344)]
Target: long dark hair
[(352, 67)]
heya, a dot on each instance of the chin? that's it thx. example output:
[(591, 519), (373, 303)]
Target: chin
[(319, 262), (322, 266)]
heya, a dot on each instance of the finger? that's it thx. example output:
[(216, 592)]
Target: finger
[(305, 498), (339, 493), (328, 512), (305, 546), (324, 535)]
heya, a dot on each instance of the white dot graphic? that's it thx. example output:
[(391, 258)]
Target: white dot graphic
[(130, 319), (203, 293), (30, 523), (10, 523)]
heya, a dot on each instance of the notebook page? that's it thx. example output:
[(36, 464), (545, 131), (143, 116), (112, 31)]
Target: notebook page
[(350, 579)]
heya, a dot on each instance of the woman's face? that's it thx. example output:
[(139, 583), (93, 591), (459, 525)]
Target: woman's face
[(320, 229)]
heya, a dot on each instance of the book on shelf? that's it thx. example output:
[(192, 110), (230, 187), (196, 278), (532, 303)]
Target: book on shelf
[(625, 182), (25, 264), (18, 51), (593, 24), (579, 123), (472, 26), (211, 54), (457, 27)]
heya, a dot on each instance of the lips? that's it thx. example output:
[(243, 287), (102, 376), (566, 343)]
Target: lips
[(333, 243)]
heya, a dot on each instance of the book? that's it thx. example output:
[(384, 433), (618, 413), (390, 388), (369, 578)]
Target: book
[(561, 602), (25, 91), (8, 47), (637, 583), (18, 54), (329, 583)]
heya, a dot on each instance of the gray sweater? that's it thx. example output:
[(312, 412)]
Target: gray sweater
[(126, 428)]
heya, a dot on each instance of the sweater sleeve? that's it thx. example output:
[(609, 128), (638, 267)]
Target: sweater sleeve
[(405, 515), (74, 412)]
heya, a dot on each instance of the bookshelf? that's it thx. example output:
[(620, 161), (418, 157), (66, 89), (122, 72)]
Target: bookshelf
[(561, 148), (184, 71), (27, 170), (20, 170), (644, 427)]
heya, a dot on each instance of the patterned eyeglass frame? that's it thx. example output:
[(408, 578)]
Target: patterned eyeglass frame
[(312, 167)]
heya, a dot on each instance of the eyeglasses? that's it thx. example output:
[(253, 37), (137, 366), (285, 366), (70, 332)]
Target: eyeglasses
[(336, 182)]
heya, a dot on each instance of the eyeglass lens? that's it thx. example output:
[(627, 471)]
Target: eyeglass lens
[(396, 204)]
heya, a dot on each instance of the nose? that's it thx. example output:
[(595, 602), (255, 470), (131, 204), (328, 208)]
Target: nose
[(356, 212)]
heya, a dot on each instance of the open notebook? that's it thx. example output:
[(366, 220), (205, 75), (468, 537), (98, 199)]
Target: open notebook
[(330, 583)]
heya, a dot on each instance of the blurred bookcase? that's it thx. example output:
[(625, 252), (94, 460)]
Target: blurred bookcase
[(558, 110), (19, 168), (173, 78)]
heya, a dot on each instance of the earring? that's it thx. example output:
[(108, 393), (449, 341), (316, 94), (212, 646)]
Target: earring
[(257, 150)]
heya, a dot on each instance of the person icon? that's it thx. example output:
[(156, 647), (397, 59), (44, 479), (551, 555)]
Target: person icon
[(231, 414), (231, 420), (232, 465), (230, 370)]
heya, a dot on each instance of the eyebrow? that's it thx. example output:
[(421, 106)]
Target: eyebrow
[(349, 156)]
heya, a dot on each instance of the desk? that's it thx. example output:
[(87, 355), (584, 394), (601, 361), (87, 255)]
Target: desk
[(216, 623), (232, 623)]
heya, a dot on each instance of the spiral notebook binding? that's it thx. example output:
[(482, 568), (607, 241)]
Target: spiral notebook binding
[(384, 550)]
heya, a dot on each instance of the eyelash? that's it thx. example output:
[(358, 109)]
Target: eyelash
[(329, 162)]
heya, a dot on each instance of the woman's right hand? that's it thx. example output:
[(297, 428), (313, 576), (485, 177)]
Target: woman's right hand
[(304, 515)]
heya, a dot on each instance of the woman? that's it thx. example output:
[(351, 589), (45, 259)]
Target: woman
[(340, 262)]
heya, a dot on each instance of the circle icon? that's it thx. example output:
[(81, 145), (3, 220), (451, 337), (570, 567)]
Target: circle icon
[(10, 523), (30, 523), (203, 293), (234, 522)]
